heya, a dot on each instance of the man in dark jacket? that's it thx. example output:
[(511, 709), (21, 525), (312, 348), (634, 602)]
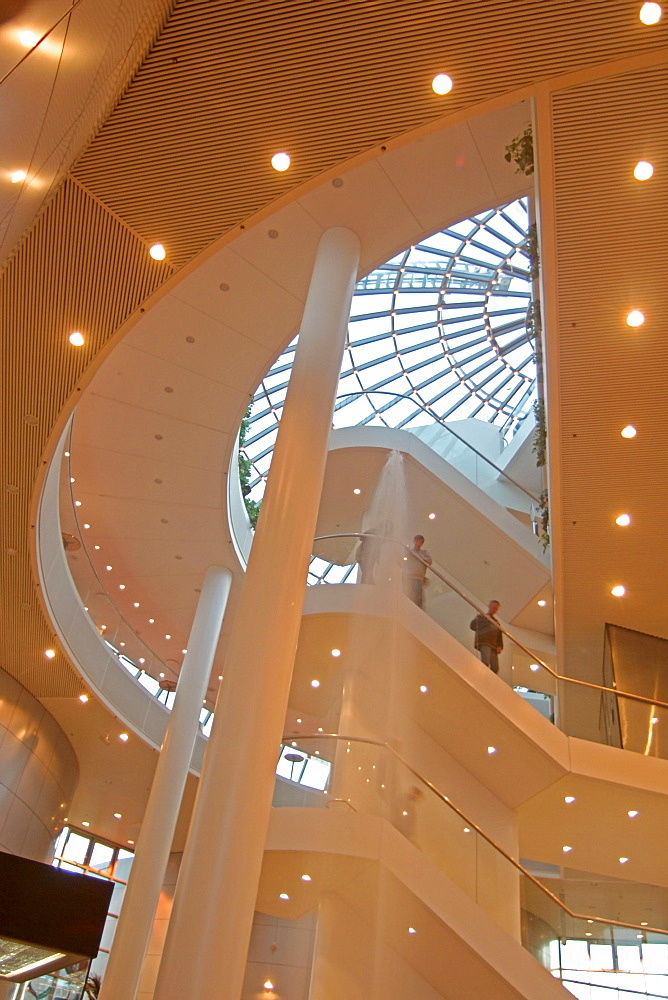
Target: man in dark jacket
[(488, 636)]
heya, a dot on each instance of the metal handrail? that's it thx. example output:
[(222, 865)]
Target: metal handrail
[(525, 649), (474, 826), (441, 423)]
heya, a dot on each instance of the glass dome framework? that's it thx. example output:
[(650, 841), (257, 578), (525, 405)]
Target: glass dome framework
[(440, 332)]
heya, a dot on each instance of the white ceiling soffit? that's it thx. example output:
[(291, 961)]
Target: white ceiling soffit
[(154, 431)]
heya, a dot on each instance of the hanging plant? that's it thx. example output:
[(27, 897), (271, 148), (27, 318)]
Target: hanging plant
[(544, 519), (539, 446), (245, 469), (532, 251), (520, 152)]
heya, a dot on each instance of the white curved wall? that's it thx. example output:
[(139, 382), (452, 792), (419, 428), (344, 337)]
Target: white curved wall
[(38, 774)]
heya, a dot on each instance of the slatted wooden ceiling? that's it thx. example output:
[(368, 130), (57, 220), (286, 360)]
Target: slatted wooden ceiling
[(184, 157)]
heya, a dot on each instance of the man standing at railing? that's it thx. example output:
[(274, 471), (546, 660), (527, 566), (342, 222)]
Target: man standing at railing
[(488, 636), (415, 570)]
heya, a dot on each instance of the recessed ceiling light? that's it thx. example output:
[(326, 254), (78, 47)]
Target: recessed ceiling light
[(77, 339), (86, 525), (587, 933), (161, 674), (411, 930), (268, 985), (142, 660), (432, 516), (541, 604), (121, 586), (534, 667), (569, 799), (184, 651), (441, 84), (423, 688), (151, 621), (319, 730), (280, 162), (654, 720), (298, 720), (643, 923), (623, 861), (123, 737), (590, 921), (84, 822), (29, 38), (643, 170), (130, 841), (49, 653), (635, 318), (77, 503), (135, 604), (109, 568), (336, 652), (357, 491), (623, 520), (566, 848), (315, 684), (650, 13), (83, 698), (220, 677), (632, 813), (306, 878), (168, 637), (618, 591), (118, 815), (158, 251), (96, 546), (629, 431), (467, 829), (491, 749), (18, 176), (283, 895)]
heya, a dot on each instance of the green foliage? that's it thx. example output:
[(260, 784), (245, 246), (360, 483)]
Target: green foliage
[(520, 152), (544, 518), (539, 446), (532, 251), (245, 469)]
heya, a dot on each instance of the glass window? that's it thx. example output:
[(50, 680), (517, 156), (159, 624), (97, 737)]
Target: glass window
[(76, 848)]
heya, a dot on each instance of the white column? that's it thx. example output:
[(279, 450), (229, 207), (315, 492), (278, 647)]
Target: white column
[(132, 935), (207, 940)]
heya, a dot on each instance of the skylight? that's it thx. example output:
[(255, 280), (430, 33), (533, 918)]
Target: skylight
[(440, 332)]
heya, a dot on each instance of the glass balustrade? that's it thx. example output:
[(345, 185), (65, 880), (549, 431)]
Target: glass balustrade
[(588, 953)]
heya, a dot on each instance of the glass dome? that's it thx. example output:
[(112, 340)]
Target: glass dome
[(440, 332)]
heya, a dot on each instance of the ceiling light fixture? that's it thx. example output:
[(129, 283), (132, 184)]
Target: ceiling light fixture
[(49, 653), (83, 698), (280, 162), (76, 339), (357, 492), (118, 815), (84, 822), (283, 895), (315, 683), (650, 13), (632, 813), (411, 930), (491, 750), (566, 848), (423, 688), (441, 84), (623, 520), (623, 861), (629, 431), (432, 516), (135, 604), (336, 653), (618, 591), (306, 878), (643, 170), (29, 38), (534, 667), (268, 985), (123, 737), (158, 251), (635, 318), (569, 799), (541, 604)]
